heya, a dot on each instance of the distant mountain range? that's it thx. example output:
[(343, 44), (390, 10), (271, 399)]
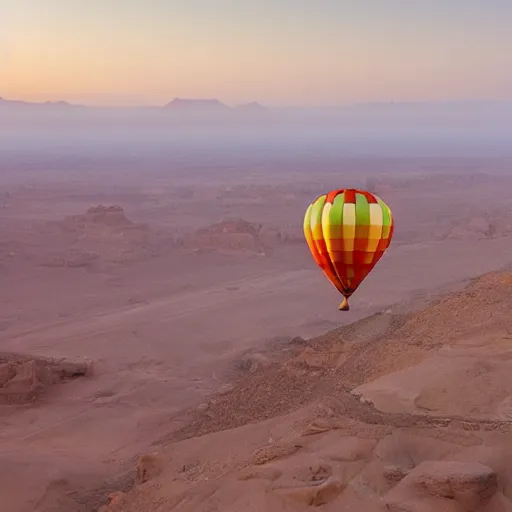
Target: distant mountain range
[(214, 106), (177, 104)]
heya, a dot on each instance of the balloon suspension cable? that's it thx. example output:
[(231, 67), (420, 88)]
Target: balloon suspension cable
[(344, 305)]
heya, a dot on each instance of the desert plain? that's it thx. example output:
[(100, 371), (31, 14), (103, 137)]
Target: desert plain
[(167, 342)]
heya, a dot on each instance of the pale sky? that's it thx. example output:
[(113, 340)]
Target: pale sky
[(278, 52)]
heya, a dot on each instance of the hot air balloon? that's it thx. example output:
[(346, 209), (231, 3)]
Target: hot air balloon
[(347, 231)]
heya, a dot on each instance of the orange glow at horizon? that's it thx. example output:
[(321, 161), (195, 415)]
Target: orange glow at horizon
[(90, 53)]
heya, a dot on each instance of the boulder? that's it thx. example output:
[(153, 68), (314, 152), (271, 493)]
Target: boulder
[(443, 486), (149, 466), (315, 495)]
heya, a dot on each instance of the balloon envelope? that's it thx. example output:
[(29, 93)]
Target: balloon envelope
[(348, 231)]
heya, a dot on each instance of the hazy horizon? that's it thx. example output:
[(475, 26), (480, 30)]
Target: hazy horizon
[(199, 136), (424, 80)]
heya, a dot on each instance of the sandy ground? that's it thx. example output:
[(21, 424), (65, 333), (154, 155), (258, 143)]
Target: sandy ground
[(160, 311)]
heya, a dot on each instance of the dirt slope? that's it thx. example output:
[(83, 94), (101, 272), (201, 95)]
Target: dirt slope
[(291, 434)]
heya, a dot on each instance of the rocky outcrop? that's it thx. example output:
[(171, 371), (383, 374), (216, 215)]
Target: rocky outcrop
[(232, 235), (24, 379), (102, 233)]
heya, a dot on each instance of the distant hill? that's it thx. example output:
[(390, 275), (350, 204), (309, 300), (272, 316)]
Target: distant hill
[(28, 104), (213, 105), (252, 107), (187, 105)]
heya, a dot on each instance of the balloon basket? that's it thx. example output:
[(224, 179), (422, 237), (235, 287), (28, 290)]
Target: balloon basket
[(344, 305)]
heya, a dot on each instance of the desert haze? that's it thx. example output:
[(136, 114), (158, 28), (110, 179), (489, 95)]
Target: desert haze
[(168, 343)]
